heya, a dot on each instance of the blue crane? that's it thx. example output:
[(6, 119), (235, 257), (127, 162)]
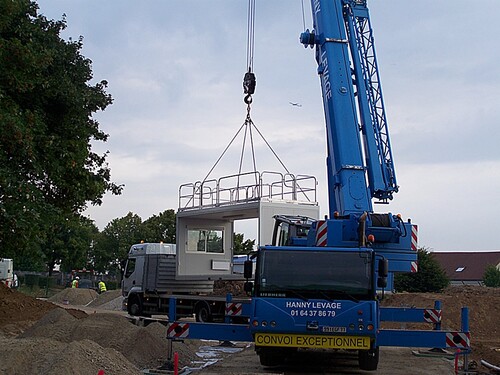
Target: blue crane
[(318, 284), (359, 158)]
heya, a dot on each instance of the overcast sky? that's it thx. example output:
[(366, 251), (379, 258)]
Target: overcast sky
[(175, 71)]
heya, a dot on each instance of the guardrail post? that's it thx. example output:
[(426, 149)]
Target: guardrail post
[(465, 319), (172, 316), (437, 306)]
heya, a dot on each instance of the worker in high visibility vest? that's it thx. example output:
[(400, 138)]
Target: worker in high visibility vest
[(101, 287), (74, 283)]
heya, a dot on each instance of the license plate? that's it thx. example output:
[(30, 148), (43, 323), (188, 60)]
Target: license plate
[(312, 341)]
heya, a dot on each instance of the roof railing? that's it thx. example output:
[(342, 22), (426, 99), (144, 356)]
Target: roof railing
[(247, 187)]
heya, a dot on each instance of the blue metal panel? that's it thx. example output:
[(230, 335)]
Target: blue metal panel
[(402, 314), (416, 339), (219, 331), (315, 316)]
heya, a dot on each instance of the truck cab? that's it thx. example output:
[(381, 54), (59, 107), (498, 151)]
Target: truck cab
[(315, 298)]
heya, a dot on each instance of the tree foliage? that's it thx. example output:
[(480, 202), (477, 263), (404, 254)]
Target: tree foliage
[(240, 246), (48, 171), (430, 276), (491, 276), (113, 243), (160, 228)]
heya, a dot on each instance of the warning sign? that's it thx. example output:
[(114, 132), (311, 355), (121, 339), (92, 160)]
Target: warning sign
[(312, 341)]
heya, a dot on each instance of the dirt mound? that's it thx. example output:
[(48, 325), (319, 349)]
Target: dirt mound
[(18, 310), (107, 330), (484, 315), (47, 356), (68, 341), (74, 296), (110, 300)]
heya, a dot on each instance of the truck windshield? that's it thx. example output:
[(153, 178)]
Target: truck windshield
[(315, 274)]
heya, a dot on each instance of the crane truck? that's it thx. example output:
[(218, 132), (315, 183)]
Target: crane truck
[(317, 285)]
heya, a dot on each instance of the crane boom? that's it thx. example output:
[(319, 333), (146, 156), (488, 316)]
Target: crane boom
[(360, 163)]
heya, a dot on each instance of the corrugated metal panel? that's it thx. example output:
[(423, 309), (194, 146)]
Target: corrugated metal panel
[(150, 267), (160, 277)]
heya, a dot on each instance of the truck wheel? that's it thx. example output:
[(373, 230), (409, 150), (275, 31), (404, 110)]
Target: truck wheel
[(202, 312), (270, 358), (368, 359), (134, 306)]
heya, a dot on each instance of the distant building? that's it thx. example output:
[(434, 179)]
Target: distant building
[(467, 268)]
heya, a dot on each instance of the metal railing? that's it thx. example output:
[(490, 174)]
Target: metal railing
[(247, 187)]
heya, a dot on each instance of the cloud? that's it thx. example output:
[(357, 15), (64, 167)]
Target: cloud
[(175, 71)]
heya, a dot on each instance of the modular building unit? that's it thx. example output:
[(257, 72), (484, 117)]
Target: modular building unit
[(205, 237)]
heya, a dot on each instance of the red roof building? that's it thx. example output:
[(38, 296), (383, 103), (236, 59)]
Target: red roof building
[(467, 268)]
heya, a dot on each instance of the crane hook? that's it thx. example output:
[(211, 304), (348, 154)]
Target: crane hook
[(249, 84), (248, 99)]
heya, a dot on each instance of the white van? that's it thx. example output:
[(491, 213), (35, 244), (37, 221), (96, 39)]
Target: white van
[(7, 272)]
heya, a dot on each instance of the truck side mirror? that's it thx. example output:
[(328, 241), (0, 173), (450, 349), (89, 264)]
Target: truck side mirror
[(248, 287), (248, 269), (383, 268), (383, 271), (382, 282)]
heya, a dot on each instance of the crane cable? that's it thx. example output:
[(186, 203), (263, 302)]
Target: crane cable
[(249, 78), (249, 84)]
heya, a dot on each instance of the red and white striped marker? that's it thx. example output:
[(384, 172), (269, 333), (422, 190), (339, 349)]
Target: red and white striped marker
[(178, 330), (432, 315), (321, 233), (233, 309), (414, 237), (414, 267), (458, 340)]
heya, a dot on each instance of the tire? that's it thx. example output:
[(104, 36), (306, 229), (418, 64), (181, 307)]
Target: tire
[(368, 359), (270, 357), (134, 306), (202, 312)]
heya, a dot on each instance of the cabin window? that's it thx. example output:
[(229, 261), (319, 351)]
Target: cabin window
[(283, 234), (130, 267), (205, 240)]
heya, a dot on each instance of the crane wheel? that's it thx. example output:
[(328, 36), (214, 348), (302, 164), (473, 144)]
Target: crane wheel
[(368, 359), (202, 312)]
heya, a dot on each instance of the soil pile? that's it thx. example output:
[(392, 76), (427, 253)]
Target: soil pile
[(74, 296), (47, 356), (51, 339), (110, 300), (18, 310), (484, 315), (138, 344)]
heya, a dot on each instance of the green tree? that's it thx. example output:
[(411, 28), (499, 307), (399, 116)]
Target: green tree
[(491, 276), (113, 244), (240, 246), (78, 243), (160, 228), (47, 167), (430, 276)]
